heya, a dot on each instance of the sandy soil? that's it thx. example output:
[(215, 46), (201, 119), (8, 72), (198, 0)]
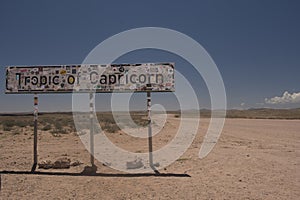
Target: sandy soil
[(253, 159)]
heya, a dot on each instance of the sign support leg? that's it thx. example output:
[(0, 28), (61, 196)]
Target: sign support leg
[(150, 133), (35, 113), (92, 129)]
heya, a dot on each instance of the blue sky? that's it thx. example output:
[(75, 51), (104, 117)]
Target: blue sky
[(255, 45)]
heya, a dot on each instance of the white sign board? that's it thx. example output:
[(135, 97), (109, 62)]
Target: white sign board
[(154, 77)]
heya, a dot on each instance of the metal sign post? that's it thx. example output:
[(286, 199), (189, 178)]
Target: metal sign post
[(92, 129), (35, 113), (150, 133)]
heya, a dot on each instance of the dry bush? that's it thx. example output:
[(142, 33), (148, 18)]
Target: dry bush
[(47, 127)]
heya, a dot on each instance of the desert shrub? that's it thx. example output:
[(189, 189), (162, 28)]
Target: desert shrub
[(63, 131), (15, 132), (141, 122), (54, 131), (8, 125), (140, 118), (15, 121), (23, 123), (59, 131), (7, 128), (111, 128), (106, 118), (58, 125), (47, 127)]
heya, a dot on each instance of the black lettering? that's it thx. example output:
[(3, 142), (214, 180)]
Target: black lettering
[(71, 79), (131, 80), (103, 79), (159, 78), (149, 78), (119, 77), (27, 80), (43, 80), (112, 79), (91, 78), (126, 78), (142, 80), (18, 77), (55, 81), (34, 80)]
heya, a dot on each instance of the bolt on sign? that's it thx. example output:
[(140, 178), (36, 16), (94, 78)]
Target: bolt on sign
[(146, 77)]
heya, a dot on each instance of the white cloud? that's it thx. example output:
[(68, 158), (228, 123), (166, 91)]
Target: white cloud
[(242, 104), (285, 98)]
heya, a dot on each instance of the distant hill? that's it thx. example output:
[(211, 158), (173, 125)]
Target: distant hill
[(265, 113), (252, 113)]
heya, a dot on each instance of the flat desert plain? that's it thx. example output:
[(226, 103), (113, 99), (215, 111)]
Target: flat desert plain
[(253, 159)]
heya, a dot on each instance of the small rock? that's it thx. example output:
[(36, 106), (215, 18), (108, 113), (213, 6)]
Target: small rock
[(45, 164), (83, 132), (134, 164), (76, 163), (156, 164), (62, 163)]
